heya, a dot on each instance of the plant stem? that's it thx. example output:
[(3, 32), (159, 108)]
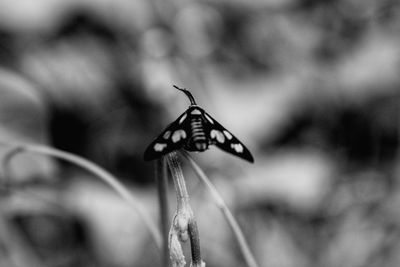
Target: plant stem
[(184, 224), (195, 243), (99, 172), (162, 188), (244, 247), (179, 180)]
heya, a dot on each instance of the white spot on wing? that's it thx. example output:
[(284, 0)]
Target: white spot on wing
[(159, 147), (215, 134), (196, 112), (237, 147), (183, 118), (177, 135), (208, 118), (228, 134), (167, 134)]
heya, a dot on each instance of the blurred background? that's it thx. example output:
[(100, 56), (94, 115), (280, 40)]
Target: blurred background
[(311, 88)]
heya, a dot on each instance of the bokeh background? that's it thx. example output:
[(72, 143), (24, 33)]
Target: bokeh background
[(311, 87)]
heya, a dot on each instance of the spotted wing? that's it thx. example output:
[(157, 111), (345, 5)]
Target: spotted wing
[(172, 138), (225, 140)]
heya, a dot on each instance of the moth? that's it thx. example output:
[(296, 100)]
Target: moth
[(195, 130)]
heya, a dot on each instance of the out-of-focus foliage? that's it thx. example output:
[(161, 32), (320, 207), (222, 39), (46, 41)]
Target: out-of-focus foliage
[(312, 87)]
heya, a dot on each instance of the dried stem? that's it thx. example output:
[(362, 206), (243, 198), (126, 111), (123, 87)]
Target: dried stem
[(183, 225), (195, 244), (99, 172), (244, 247), (162, 188)]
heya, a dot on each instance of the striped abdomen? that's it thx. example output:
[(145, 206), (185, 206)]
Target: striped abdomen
[(198, 141)]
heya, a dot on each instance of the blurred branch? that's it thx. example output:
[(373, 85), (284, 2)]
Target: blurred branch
[(184, 224), (162, 188), (98, 172), (244, 247)]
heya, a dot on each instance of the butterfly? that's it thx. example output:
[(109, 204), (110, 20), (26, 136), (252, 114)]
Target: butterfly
[(195, 130)]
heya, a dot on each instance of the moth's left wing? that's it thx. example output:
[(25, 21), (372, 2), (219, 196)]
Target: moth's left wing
[(225, 140), (172, 138)]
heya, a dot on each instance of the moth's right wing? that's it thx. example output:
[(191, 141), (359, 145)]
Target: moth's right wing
[(174, 137), (225, 140)]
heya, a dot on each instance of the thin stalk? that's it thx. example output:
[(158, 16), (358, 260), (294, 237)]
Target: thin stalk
[(98, 172), (184, 225), (244, 247), (195, 244), (179, 181), (162, 188)]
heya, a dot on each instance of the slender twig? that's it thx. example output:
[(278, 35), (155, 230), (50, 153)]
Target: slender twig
[(162, 188), (179, 181), (244, 247), (99, 172), (184, 224), (195, 244)]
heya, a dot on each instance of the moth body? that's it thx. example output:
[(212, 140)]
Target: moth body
[(195, 130), (198, 140)]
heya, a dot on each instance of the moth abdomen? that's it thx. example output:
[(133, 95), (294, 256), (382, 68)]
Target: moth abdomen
[(196, 126), (198, 140)]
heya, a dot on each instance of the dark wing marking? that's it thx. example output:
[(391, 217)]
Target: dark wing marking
[(225, 140), (172, 138)]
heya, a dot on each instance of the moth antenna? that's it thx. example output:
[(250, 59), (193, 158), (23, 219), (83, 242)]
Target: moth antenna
[(188, 94)]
